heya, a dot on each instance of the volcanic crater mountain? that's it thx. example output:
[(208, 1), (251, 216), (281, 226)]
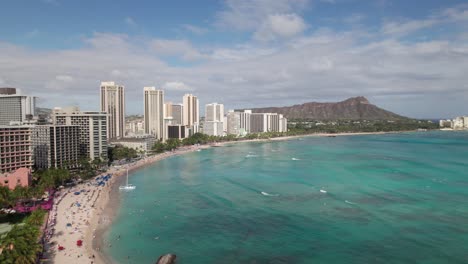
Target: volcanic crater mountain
[(355, 108)]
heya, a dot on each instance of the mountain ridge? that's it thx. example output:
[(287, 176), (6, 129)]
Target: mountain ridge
[(354, 108)]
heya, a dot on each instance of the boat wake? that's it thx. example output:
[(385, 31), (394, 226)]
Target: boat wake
[(268, 194)]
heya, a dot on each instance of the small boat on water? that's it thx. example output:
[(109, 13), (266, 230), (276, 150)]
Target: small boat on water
[(127, 186)]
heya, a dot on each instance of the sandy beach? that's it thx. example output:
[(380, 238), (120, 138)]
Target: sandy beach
[(87, 215)]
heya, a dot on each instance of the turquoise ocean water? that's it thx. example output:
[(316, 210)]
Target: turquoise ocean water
[(396, 198)]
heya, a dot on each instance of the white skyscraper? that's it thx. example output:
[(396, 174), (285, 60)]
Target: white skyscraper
[(191, 116), (113, 102), (233, 123), (154, 112), (177, 114), (214, 119), (15, 107), (283, 124), (214, 112), (244, 126)]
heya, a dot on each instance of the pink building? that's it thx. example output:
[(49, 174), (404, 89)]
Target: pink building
[(20, 177)]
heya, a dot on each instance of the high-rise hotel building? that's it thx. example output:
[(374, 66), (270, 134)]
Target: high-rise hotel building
[(56, 146), (191, 109), (113, 102), (15, 107), (93, 130), (214, 118), (15, 148), (154, 112), (268, 122)]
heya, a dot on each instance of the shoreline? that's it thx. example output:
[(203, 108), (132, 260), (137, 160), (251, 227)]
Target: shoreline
[(105, 207), (87, 216), (109, 207)]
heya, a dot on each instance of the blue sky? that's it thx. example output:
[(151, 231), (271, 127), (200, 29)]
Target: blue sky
[(408, 56)]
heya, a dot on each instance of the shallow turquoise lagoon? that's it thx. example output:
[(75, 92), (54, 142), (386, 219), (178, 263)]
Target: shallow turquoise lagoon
[(396, 198)]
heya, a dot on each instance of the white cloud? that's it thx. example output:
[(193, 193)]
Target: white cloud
[(280, 26), (325, 65), (177, 86), (458, 13), (194, 29), (407, 27), (64, 78), (169, 47), (129, 21), (108, 41), (354, 18), (248, 15), (241, 53)]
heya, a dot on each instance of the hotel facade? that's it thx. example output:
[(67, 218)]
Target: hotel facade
[(113, 103), (15, 107), (154, 112), (93, 130)]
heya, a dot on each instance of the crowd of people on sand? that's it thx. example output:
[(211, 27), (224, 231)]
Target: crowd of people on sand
[(68, 221)]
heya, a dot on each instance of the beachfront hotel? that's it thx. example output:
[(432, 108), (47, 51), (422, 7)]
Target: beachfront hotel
[(244, 125), (268, 122), (15, 148), (55, 146), (154, 112), (191, 111), (233, 123), (175, 112), (93, 129), (113, 102), (214, 119), (15, 107)]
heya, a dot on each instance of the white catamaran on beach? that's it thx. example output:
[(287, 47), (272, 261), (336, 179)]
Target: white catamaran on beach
[(128, 186)]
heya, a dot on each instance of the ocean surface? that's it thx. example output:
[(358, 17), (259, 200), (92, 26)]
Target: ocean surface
[(395, 198)]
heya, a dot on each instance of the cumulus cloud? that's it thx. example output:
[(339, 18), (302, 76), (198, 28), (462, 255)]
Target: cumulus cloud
[(195, 29), (129, 21), (405, 28), (64, 78), (280, 26), (417, 78), (176, 86), (249, 14), (169, 47)]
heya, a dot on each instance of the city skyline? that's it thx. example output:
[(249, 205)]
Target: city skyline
[(287, 52)]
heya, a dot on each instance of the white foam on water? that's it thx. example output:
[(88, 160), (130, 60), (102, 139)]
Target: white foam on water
[(323, 191), (348, 202), (250, 156), (295, 159), (268, 194)]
